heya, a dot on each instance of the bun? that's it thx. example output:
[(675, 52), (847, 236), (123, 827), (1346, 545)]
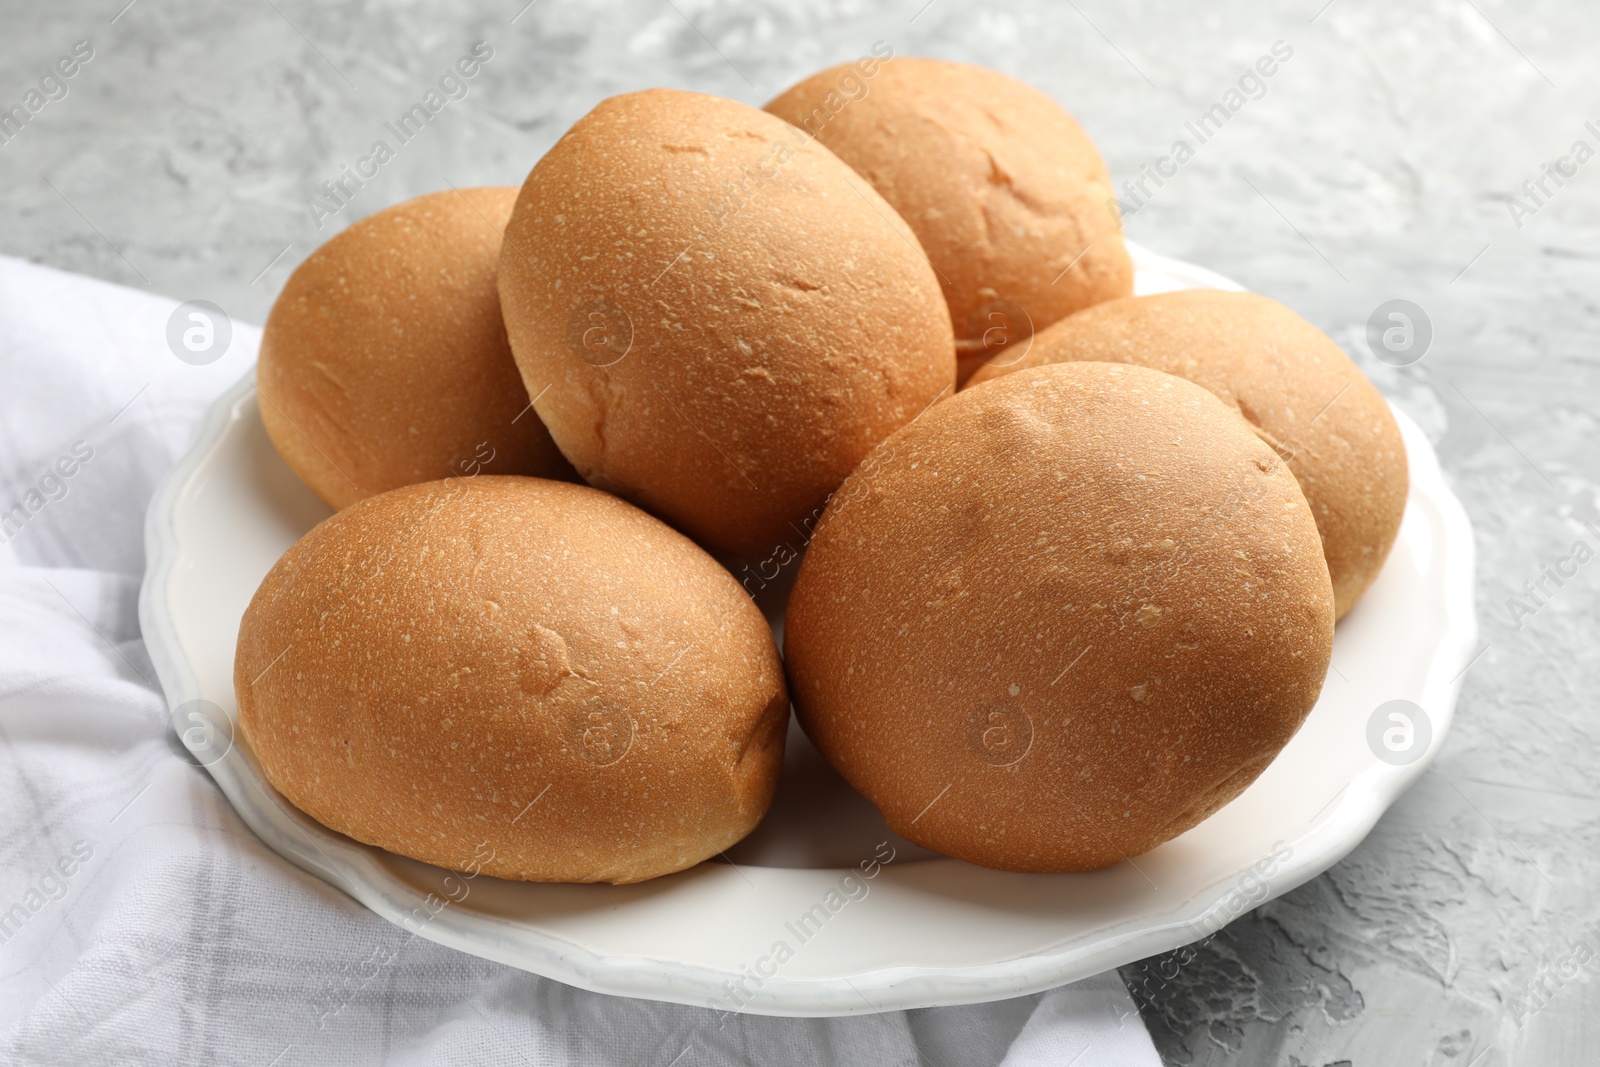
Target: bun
[(1072, 613), (528, 678), (1295, 387), (1003, 188), (719, 318), (385, 363)]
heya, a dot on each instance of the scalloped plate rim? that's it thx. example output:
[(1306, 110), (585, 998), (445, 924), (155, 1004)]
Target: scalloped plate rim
[(1349, 816)]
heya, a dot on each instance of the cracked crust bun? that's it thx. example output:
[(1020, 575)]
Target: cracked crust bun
[(384, 361), (1072, 613), (717, 319), (527, 678), (1295, 387), (1007, 194)]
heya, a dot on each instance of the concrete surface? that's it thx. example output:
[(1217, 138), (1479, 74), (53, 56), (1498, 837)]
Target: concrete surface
[(1377, 165)]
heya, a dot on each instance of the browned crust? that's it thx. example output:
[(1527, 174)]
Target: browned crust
[(782, 319), (1006, 193), (1096, 565), (384, 361), (424, 665), (1295, 387)]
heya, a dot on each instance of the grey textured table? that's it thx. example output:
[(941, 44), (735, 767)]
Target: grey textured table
[(1376, 164)]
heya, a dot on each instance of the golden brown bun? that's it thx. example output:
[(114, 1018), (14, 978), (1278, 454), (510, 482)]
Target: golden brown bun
[(1068, 615), (422, 667), (721, 319), (1298, 390), (1005, 191), (385, 363)]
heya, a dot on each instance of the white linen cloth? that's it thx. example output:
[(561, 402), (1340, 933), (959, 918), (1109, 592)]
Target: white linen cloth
[(142, 922)]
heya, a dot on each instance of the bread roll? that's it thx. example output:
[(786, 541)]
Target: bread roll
[(1295, 387), (385, 363), (720, 319), (1005, 191), (1072, 613), (528, 678)]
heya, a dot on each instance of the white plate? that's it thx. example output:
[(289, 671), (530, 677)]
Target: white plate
[(926, 930)]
